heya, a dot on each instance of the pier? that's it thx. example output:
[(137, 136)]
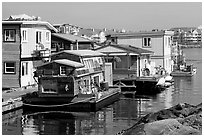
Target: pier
[(139, 85), (12, 99)]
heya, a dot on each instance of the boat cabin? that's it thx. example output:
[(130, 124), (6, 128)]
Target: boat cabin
[(71, 73)]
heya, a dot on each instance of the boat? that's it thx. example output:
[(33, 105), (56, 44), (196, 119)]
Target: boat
[(70, 84), (139, 86), (181, 74), (186, 71)]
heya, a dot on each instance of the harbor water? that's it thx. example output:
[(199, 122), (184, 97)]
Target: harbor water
[(115, 117)]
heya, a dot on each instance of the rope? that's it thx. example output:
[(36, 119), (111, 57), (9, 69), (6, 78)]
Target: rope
[(57, 105)]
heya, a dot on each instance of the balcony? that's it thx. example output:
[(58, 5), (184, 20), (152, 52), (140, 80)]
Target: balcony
[(41, 52)]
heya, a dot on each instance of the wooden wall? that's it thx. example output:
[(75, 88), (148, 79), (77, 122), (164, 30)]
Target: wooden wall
[(11, 52)]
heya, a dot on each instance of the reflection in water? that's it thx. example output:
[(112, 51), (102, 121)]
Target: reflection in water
[(11, 123), (120, 115), (111, 120), (168, 98)]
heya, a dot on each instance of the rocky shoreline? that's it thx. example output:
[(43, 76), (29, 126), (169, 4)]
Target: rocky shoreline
[(182, 119)]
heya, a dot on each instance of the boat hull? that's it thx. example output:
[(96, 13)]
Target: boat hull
[(83, 104), (181, 74)]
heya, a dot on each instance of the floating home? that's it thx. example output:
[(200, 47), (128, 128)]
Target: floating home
[(73, 80), (133, 68), (128, 61)]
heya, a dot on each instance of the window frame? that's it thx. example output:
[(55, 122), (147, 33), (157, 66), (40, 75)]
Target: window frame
[(24, 38), (63, 74), (24, 69), (5, 67), (38, 37), (14, 37), (47, 36), (149, 43)]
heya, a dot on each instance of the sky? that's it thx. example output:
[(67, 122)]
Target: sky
[(132, 16)]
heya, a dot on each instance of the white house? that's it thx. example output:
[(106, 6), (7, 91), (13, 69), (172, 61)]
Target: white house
[(158, 42)]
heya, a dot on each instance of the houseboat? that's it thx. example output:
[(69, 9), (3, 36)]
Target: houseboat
[(72, 81), (185, 71), (133, 70)]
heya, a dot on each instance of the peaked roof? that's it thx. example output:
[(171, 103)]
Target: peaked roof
[(70, 37), (65, 62), (128, 49), (82, 53)]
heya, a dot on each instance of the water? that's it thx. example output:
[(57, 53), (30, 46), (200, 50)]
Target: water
[(112, 119)]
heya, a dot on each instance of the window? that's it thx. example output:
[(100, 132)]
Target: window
[(86, 83), (61, 45), (100, 60), (38, 36), (24, 69), (47, 35), (96, 80), (86, 63), (24, 35), (62, 70), (146, 42), (92, 63), (53, 45), (9, 67), (9, 35)]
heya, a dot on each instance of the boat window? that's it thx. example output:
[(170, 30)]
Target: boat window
[(49, 86), (62, 70)]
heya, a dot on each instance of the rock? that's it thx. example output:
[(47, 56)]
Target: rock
[(195, 121), (169, 127), (181, 119)]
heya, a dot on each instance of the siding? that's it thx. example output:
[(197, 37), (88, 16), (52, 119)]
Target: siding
[(156, 45), (30, 46), (11, 52)]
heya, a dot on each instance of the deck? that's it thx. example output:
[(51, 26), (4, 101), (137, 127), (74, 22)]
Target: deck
[(12, 99), (144, 85)]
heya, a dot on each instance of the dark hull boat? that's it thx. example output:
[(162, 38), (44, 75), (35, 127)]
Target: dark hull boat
[(77, 84)]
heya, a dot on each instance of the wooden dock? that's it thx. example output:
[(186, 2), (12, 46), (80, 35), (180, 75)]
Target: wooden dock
[(144, 85), (12, 99)]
